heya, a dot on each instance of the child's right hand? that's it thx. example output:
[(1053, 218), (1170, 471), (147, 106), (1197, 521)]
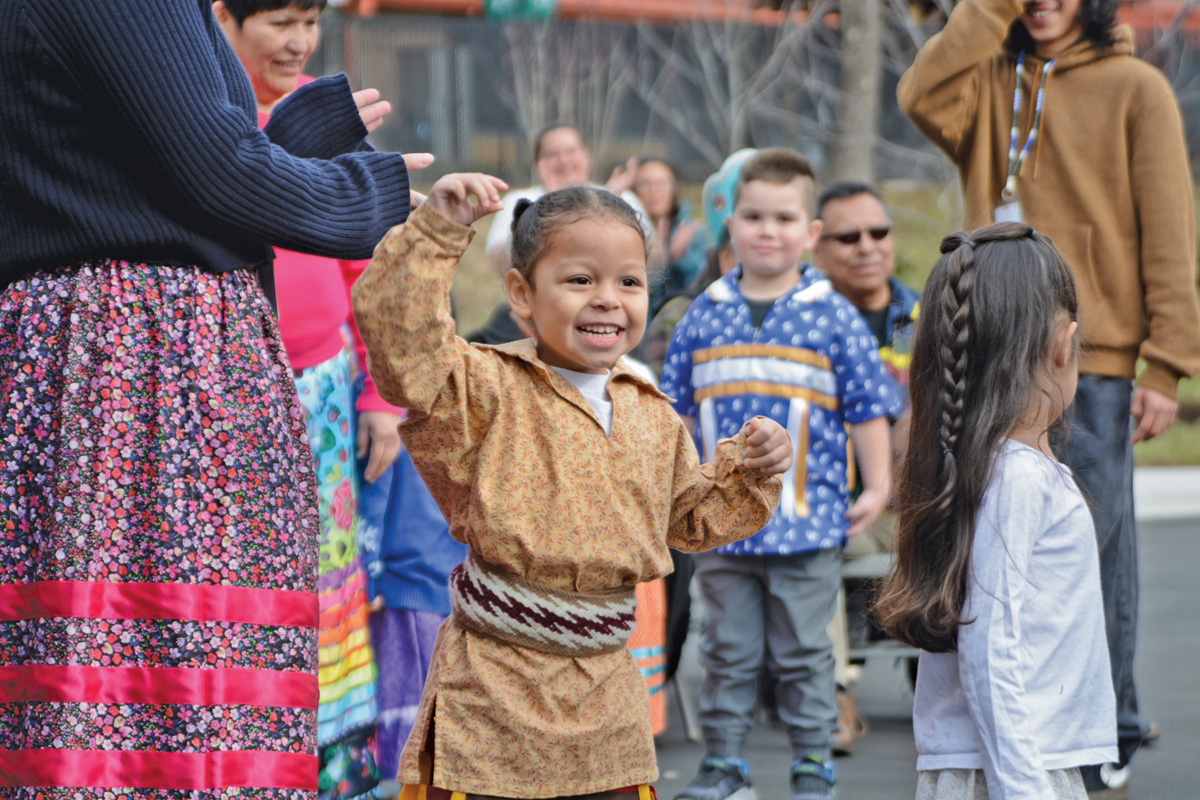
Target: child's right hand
[(768, 446), (451, 196)]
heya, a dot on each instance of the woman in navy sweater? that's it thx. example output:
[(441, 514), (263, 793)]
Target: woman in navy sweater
[(157, 511)]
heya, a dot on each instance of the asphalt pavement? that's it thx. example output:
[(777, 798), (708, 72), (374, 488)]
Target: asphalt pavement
[(882, 765)]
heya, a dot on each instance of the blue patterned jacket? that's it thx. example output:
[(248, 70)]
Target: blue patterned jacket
[(813, 367)]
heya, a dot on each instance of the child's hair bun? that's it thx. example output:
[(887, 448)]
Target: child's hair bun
[(955, 241), (522, 206)]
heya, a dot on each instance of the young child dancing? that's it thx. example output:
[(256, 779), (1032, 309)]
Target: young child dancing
[(567, 474), (773, 338), (997, 576)]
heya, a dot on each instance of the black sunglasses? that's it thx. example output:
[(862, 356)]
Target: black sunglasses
[(852, 237)]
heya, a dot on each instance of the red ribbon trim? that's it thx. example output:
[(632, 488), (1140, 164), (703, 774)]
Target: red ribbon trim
[(43, 683), (150, 770), (202, 603)]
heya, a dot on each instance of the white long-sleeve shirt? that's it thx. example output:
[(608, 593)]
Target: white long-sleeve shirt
[(1029, 689)]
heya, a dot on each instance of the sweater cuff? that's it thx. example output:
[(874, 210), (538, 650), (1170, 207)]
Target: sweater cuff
[(318, 120), (1161, 379)]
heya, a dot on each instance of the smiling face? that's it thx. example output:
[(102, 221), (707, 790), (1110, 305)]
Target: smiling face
[(562, 159), (859, 269), (655, 187), (273, 47), (588, 300), (1054, 25), (770, 232)]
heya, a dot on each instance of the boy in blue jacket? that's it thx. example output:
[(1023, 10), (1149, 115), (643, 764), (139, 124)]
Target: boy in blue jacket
[(772, 338)]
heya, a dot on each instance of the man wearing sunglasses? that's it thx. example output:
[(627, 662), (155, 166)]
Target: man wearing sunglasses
[(855, 252)]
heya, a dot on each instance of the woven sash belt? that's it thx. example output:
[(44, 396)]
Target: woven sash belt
[(496, 603)]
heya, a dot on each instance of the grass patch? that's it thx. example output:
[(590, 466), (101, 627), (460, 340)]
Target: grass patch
[(476, 290), (1178, 447)]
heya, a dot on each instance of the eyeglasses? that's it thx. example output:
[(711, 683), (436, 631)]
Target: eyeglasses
[(852, 237)]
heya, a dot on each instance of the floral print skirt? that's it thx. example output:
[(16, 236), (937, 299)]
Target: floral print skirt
[(348, 707), (158, 541)]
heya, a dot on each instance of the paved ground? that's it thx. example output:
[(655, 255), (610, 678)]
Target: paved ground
[(1168, 674)]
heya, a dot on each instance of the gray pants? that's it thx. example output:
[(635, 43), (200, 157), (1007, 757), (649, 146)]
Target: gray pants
[(1098, 451), (773, 610)]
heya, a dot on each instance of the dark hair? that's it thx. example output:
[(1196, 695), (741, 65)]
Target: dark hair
[(844, 190), (535, 223), (673, 213), (241, 10), (553, 126), (1098, 17), (983, 341), (780, 165)]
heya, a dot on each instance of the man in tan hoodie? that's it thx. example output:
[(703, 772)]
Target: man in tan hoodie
[(1097, 161)]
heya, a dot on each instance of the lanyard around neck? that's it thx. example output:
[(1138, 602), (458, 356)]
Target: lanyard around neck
[(1017, 160)]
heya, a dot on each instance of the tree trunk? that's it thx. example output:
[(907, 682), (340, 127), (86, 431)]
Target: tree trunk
[(862, 40)]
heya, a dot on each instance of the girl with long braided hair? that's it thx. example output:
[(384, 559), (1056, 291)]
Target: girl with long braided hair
[(997, 575)]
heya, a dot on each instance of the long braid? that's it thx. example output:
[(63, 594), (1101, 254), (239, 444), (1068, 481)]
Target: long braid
[(952, 352), (992, 301)]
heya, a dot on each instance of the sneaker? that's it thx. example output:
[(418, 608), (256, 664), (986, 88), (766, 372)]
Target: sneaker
[(1106, 781), (813, 779), (719, 779)]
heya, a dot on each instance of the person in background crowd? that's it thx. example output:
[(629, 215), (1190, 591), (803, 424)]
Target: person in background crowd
[(1051, 120), (856, 252), (680, 250), (157, 490), (773, 338), (560, 158), (720, 190), (718, 262)]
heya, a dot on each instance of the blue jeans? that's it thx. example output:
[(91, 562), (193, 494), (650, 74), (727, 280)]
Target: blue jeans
[(1099, 452)]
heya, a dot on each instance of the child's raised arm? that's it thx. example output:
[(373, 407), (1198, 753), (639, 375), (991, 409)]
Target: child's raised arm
[(402, 307), (940, 91), (402, 301), (451, 196), (872, 446)]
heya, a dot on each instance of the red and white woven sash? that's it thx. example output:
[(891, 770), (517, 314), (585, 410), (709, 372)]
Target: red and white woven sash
[(496, 603)]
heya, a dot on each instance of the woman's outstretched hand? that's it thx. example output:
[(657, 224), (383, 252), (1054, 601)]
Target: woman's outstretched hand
[(768, 446), (451, 196), (371, 109)]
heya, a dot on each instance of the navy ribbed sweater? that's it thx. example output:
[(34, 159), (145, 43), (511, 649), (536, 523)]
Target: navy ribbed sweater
[(128, 130)]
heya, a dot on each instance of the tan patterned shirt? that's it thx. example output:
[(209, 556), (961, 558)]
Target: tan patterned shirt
[(523, 471)]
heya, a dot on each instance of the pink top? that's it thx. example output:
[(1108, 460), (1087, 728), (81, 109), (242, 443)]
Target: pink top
[(313, 294)]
